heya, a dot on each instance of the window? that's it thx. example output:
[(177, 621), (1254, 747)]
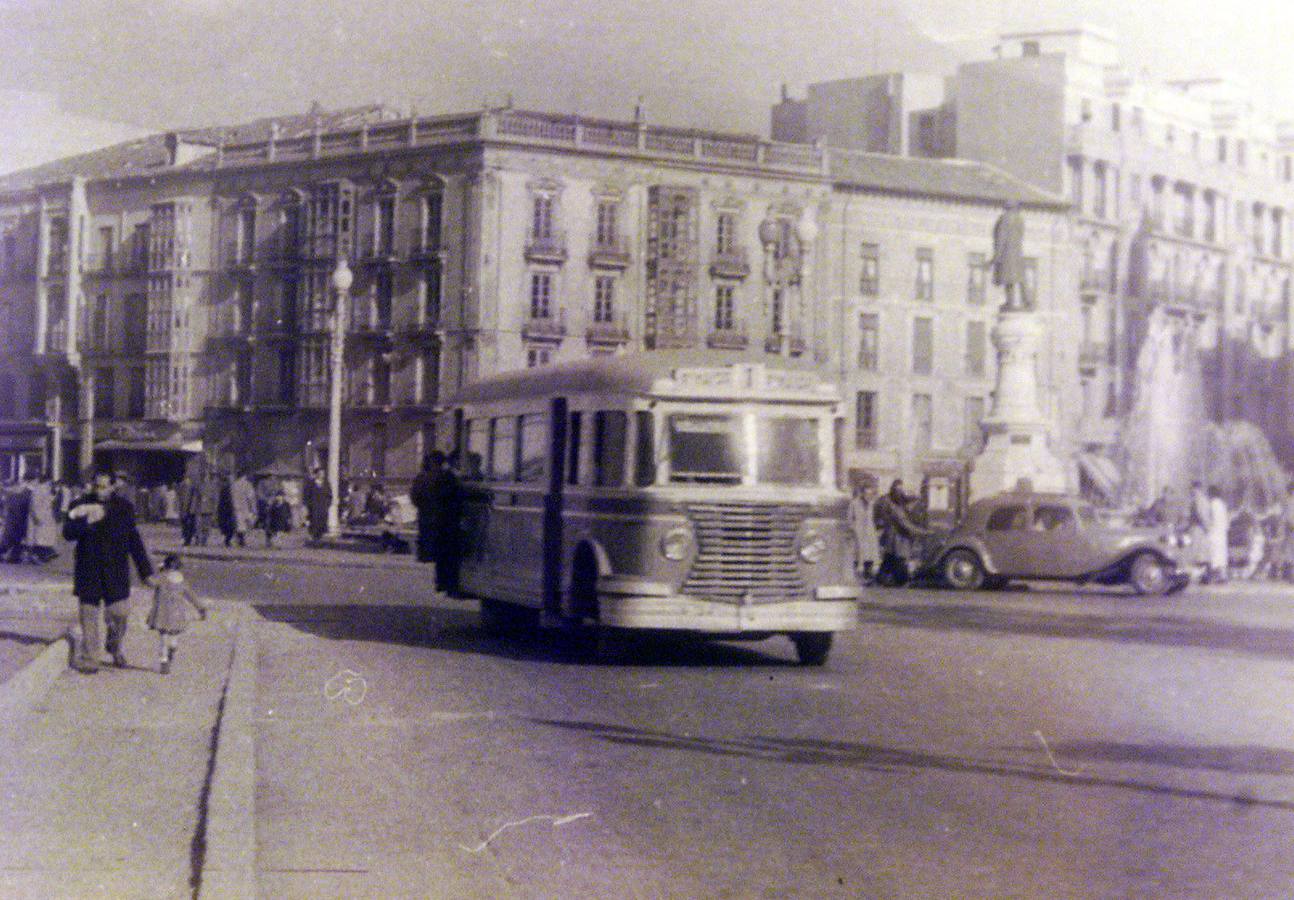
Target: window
[(538, 356), (1098, 191), (432, 209), (609, 445), (534, 447), (1085, 110), (869, 342), (574, 441), (541, 295), (36, 389), (723, 307), (976, 278), (245, 246), (925, 274), (1241, 147), (976, 349), (431, 290), (706, 448), (1054, 518), (502, 459), (1029, 288), (923, 346), (865, 420), (1222, 148), (99, 323), (428, 387), (869, 283), (384, 234), (725, 232), (604, 295), (1007, 518), (104, 394), (105, 250), (607, 234), (1030, 48), (134, 316), (1115, 114), (1076, 182), (541, 217), (922, 422)]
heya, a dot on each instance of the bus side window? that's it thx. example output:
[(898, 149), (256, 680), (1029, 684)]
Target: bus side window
[(573, 436), (478, 445), (609, 427), (645, 451), (533, 447), (503, 448)]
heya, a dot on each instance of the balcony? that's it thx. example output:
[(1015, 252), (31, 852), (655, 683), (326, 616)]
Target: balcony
[(1094, 281), (671, 338), (239, 257), (102, 264), (375, 327), (545, 327), (730, 263), (56, 264), (546, 248), (613, 333), (609, 254), (420, 330), (1092, 354), (378, 248), (732, 338), (425, 244), (226, 327), (790, 344)]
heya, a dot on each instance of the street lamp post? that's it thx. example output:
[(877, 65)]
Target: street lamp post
[(342, 279)]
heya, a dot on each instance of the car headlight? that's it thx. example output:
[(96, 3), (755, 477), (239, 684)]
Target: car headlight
[(675, 543), (813, 547)]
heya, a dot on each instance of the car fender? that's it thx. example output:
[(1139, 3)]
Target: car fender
[(974, 545), (1118, 569)]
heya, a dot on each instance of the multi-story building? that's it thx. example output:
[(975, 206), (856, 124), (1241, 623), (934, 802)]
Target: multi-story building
[(1182, 194), (171, 298)]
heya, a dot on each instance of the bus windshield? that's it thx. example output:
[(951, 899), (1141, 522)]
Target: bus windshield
[(714, 448), (706, 448)]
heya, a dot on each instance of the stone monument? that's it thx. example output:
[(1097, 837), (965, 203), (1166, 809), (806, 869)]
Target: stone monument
[(1016, 448)]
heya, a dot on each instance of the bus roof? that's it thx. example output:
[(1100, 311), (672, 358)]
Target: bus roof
[(689, 372)]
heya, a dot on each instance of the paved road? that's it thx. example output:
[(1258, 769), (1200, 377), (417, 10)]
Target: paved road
[(1032, 744), (1022, 744)]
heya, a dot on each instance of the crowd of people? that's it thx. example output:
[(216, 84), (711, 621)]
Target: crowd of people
[(1221, 543), (889, 533)]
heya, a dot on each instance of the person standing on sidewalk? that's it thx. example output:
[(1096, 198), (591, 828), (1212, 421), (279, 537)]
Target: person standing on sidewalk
[(172, 598), (42, 523), (102, 526), (186, 498), (243, 495), (318, 499), (438, 496)]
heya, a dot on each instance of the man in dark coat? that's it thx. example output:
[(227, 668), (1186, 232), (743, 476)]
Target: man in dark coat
[(437, 494), (898, 536), (186, 498), (102, 525), (318, 500)]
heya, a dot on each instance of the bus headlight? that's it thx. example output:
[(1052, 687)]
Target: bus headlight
[(675, 543), (813, 547)]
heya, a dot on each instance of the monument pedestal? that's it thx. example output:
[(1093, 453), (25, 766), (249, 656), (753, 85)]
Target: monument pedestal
[(1016, 450)]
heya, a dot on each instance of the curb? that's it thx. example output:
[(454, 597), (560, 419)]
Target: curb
[(354, 561), (229, 868), (20, 693)]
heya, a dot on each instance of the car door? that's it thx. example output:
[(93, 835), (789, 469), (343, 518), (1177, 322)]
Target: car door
[(1006, 538), (1058, 547)]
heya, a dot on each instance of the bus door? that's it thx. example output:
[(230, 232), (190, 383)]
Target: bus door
[(552, 523)]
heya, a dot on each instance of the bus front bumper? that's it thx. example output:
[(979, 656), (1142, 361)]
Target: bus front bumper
[(638, 604)]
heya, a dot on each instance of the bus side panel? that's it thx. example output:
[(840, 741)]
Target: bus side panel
[(504, 545)]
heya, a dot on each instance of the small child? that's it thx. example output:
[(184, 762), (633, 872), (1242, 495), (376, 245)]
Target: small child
[(170, 615)]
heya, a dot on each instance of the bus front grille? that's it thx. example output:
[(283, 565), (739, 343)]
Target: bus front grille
[(745, 550)]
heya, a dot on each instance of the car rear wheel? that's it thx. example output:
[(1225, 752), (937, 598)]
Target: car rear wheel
[(1148, 575), (962, 571)]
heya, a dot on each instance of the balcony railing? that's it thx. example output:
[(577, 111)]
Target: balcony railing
[(1092, 354), (733, 337), (730, 263), (239, 256), (378, 248), (424, 242), (549, 247), (614, 332), (609, 254), (545, 327)]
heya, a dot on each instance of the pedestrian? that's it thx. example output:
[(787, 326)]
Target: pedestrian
[(1197, 530), (187, 500), (898, 535), (1219, 526), (862, 521), (278, 517), (1285, 556), (243, 496), (208, 507), (17, 501), (266, 487), (437, 494), (225, 510), (172, 598), (318, 501), (42, 522), (102, 525)]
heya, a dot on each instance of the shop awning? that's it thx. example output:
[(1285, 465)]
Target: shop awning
[(171, 446), (1102, 473)]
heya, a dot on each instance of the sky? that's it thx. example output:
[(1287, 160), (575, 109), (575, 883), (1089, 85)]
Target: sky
[(165, 64)]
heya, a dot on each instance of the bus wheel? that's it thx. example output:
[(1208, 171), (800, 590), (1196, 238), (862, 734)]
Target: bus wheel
[(812, 647)]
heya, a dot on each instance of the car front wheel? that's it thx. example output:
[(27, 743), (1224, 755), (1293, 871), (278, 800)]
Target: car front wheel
[(963, 571), (1148, 575)]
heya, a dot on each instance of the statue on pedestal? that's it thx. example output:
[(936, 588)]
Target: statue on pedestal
[(1008, 256)]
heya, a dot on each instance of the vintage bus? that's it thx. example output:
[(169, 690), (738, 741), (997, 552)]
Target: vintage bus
[(664, 491)]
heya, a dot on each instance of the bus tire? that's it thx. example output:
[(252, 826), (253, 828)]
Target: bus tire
[(812, 647), (582, 599)]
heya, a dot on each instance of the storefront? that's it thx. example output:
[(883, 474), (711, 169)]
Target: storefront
[(23, 450), (148, 453)]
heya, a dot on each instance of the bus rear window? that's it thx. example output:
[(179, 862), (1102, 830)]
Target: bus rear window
[(705, 448), (788, 450)]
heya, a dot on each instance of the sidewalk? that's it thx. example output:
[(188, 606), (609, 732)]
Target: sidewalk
[(110, 783), (294, 547)]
